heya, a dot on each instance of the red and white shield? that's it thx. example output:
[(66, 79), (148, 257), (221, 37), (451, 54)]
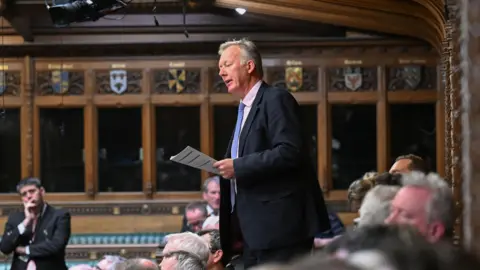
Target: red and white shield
[(353, 81)]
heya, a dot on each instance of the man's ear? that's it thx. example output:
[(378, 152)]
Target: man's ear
[(250, 66), (204, 195), (42, 191), (217, 256), (436, 231)]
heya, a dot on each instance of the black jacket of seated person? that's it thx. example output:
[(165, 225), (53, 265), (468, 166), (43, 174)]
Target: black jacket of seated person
[(47, 249), (279, 203)]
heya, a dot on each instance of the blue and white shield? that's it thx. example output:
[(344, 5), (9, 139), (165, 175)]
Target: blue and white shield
[(3, 82), (60, 81)]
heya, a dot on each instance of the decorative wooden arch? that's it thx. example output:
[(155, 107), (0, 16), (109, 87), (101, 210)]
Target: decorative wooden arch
[(434, 21)]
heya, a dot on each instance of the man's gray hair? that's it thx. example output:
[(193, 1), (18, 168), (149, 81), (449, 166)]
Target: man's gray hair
[(249, 52), (375, 207), (440, 205), (112, 261), (370, 260), (186, 262), (215, 179), (192, 244)]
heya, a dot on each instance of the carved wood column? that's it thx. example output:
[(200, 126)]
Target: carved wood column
[(451, 83), (27, 118), (470, 83)]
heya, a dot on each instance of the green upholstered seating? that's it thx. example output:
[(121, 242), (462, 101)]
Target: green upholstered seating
[(117, 239), (6, 265)]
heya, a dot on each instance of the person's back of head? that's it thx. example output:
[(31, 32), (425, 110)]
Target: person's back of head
[(137, 264), (188, 251), (81, 267), (375, 207)]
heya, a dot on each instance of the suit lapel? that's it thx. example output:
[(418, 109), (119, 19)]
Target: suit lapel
[(42, 221), (251, 116)]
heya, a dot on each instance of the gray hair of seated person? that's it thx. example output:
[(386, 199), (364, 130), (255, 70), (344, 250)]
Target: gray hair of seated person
[(215, 243), (137, 264), (190, 243), (319, 260), (186, 262), (113, 260), (377, 237), (375, 207), (440, 206)]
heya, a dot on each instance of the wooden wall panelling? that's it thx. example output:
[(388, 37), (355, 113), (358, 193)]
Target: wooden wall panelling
[(26, 124), (440, 125), (206, 118), (148, 139), (383, 127), (90, 119)]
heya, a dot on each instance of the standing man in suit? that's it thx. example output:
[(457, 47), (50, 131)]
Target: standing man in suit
[(39, 235), (271, 198)]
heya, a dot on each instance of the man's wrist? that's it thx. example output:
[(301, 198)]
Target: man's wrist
[(26, 222)]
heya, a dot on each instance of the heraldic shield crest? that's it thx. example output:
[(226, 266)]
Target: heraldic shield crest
[(412, 76), (176, 80), (293, 78), (60, 81), (353, 78), (118, 81), (3, 82)]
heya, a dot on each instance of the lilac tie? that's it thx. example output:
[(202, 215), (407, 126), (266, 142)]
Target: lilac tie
[(234, 149)]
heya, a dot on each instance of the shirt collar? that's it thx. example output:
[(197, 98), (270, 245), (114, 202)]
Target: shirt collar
[(250, 97)]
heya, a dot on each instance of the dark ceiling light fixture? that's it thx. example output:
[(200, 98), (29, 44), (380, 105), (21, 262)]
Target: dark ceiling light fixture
[(184, 11), (65, 12)]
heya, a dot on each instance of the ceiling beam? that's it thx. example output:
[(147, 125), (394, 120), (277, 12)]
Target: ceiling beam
[(406, 18), (17, 20)]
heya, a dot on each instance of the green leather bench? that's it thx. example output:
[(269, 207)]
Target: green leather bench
[(117, 239), (6, 265)]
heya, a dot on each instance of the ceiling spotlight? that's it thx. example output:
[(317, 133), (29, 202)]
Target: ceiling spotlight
[(240, 11)]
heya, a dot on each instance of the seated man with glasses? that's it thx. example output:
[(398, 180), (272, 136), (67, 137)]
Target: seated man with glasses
[(184, 251)]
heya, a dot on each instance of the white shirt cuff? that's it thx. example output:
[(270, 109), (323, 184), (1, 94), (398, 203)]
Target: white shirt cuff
[(21, 228), (27, 250)]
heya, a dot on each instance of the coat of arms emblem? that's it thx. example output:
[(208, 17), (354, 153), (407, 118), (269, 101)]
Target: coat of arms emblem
[(353, 78), (293, 78), (60, 81), (412, 76), (118, 81), (3, 82), (176, 80)]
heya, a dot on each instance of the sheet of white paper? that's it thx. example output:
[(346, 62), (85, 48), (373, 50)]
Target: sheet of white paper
[(196, 159)]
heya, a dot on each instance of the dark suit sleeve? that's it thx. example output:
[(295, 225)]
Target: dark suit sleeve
[(284, 135), (184, 224), (59, 241), (11, 236)]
